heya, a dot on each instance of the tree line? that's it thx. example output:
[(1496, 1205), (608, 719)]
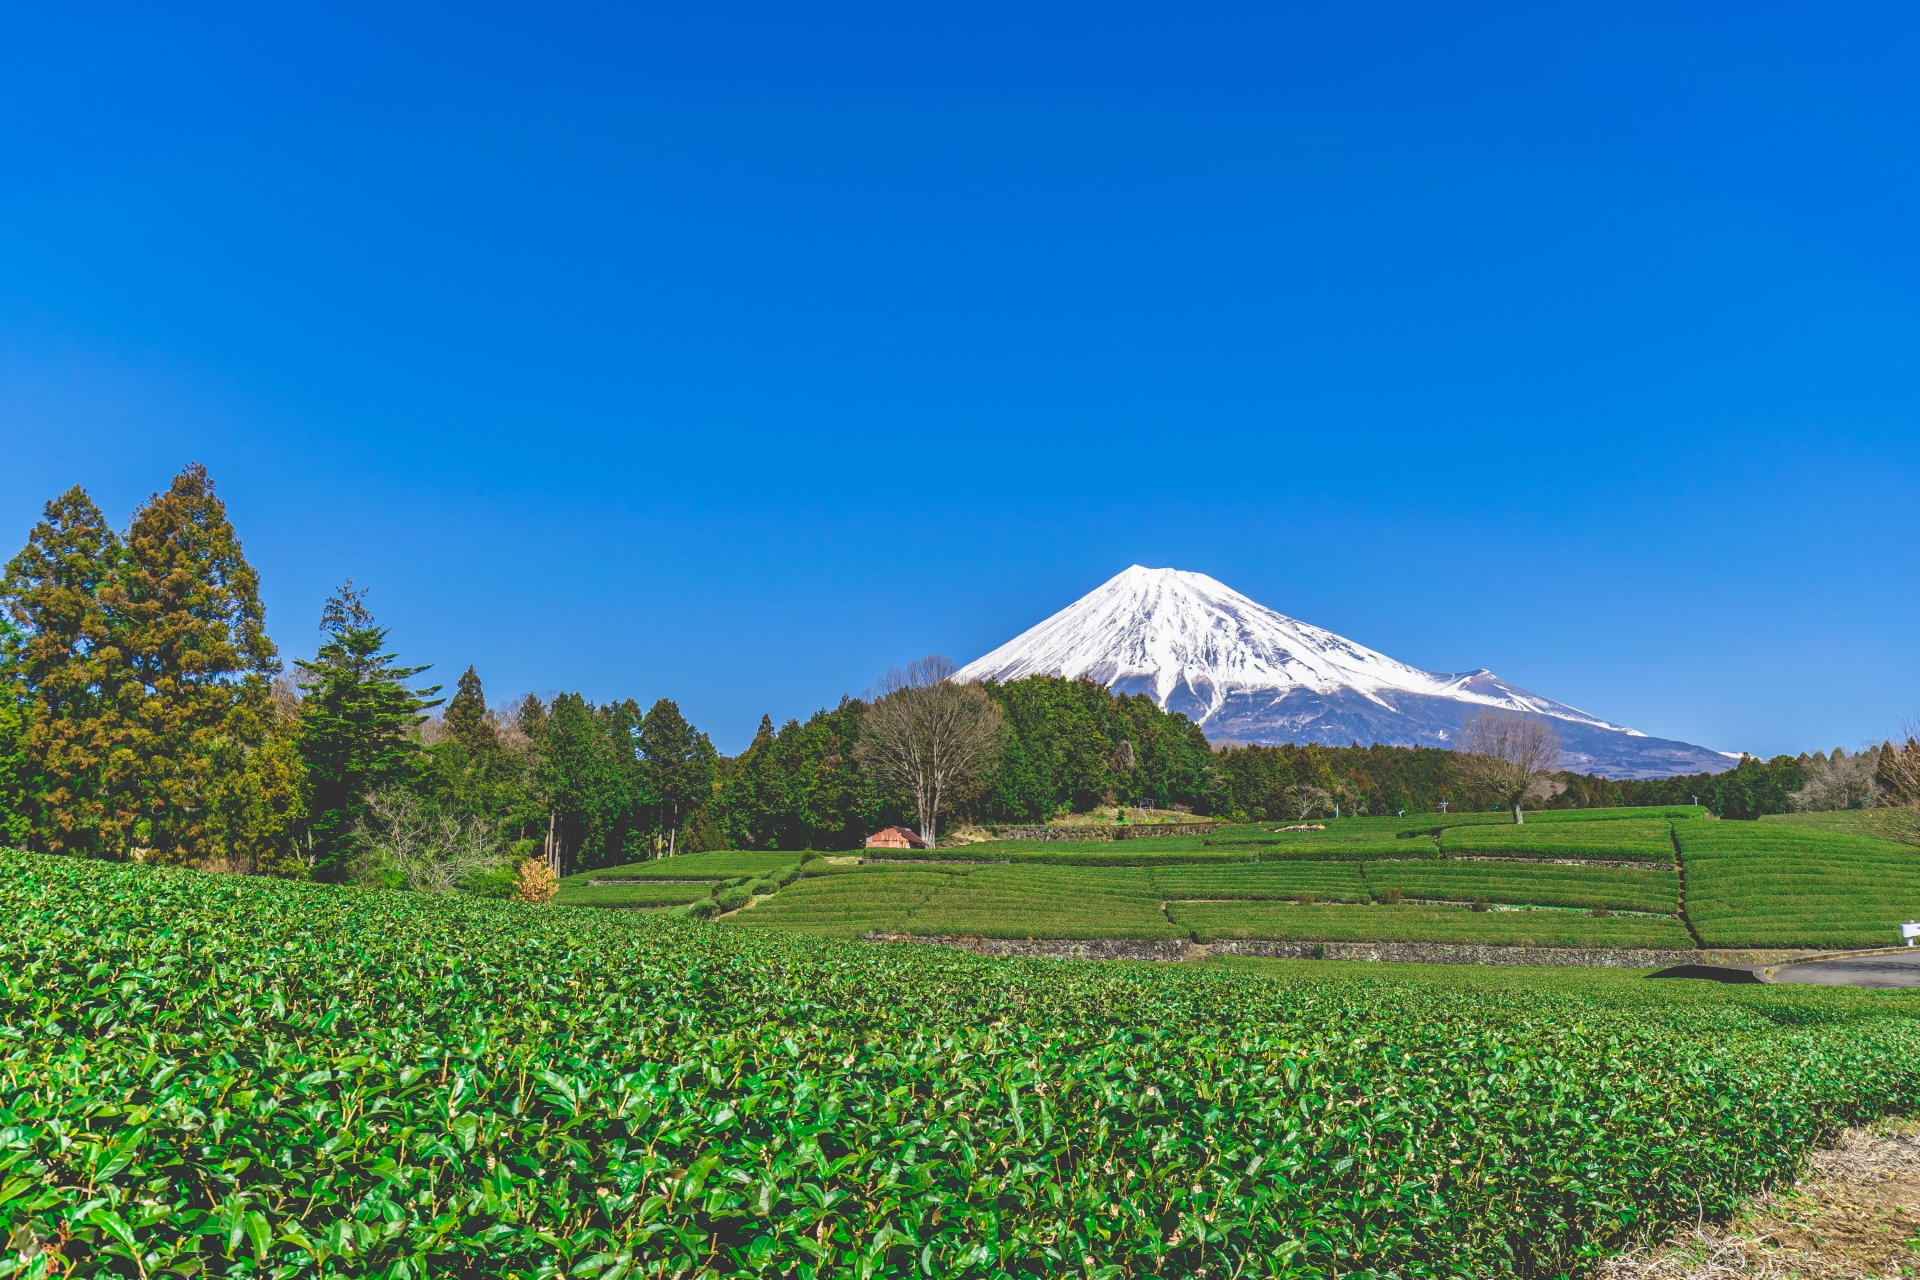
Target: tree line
[(147, 715)]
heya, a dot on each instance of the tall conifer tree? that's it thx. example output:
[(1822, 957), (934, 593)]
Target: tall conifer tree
[(52, 591), (356, 727), (466, 717), (678, 761), (191, 692)]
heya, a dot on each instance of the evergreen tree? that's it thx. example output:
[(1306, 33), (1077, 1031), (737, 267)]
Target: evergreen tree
[(191, 695), (757, 801), (357, 725), (466, 717), (584, 779), (52, 591), (15, 819), (678, 762)]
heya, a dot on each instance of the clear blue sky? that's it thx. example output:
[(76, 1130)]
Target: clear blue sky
[(736, 353)]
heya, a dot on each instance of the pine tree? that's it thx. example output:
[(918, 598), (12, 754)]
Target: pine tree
[(52, 591), (191, 685), (466, 717), (357, 725)]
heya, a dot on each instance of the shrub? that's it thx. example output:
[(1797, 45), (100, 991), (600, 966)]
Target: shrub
[(536, 883), (705, 909), (1305, 898), (761, 888), (732, 899), (1389, 896), (1600, 911), (1480, 902)]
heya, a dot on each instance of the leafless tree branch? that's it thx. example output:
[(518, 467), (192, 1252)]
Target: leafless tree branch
[(1511, 757), (928, 736)]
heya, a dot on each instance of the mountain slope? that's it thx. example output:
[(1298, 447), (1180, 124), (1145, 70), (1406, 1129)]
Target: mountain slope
[(1247, 673)]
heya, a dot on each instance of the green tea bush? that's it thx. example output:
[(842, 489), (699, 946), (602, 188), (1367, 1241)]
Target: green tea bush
[(204, 1075), (1621, 840), (1755, 884)]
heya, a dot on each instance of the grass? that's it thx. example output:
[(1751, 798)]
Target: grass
[(1630, 839), (1752, 884), (1280, 922), (1543, 884)]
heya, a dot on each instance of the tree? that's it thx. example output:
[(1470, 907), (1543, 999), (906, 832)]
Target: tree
[(1897, 776), (1839, 781), (678, 762), (52, 591), (15, 820), (1509, 756), (466, 717), (191, 669), (403, 842), (928, 736), (584, 781), (356, 727)]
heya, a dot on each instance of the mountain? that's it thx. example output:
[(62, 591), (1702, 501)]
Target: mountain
[(1245, 673)]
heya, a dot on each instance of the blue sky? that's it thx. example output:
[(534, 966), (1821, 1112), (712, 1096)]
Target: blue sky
[(735, 353)]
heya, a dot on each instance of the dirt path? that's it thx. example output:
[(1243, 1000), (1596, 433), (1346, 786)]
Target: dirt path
[(1855, 1215)]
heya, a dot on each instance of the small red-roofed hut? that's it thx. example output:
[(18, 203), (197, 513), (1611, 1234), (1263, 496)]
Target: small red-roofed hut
[(896, 838)]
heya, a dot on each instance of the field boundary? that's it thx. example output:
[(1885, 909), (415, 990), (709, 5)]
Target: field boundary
[(1180, 949), (1680, 869)]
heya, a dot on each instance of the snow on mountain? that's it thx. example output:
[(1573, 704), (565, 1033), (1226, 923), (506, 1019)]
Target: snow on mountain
[(1247, 673)]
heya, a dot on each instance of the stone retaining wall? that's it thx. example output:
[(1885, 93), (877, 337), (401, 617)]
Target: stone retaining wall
[(1049, 948), (1402, 952), (1109, 831)]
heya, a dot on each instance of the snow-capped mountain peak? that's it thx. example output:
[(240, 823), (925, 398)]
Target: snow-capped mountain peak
[(1249, 673)]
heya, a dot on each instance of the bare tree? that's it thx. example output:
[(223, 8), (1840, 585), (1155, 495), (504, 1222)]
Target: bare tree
[(1307, 800), (1839, 781), (1509, 756), (402, 840), (1897, 775), (929, 736)]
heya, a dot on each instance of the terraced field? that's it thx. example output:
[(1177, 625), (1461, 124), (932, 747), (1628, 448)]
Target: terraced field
[(1760, 884), (1211, 921), (1770, 885), (1655, 889), (1640, 840)]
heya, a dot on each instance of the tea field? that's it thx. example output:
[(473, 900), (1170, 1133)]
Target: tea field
[(213, 1076), (1746, 885)]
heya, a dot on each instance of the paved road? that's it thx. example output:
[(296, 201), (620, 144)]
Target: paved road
[(1865, 971)]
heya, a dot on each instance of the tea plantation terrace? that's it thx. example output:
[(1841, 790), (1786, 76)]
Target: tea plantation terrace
[(1668, 879)]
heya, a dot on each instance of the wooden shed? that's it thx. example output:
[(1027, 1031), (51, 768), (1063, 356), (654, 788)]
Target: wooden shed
[(896, 838)]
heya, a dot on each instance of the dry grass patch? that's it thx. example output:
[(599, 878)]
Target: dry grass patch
[(1855, 1215)]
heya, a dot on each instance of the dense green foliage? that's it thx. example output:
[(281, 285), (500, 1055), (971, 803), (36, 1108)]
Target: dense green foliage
[(357, 723), (1073, 745), (243, 1078), (140, 720)]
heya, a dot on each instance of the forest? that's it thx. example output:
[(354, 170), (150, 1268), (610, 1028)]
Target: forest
[(146, 715)]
